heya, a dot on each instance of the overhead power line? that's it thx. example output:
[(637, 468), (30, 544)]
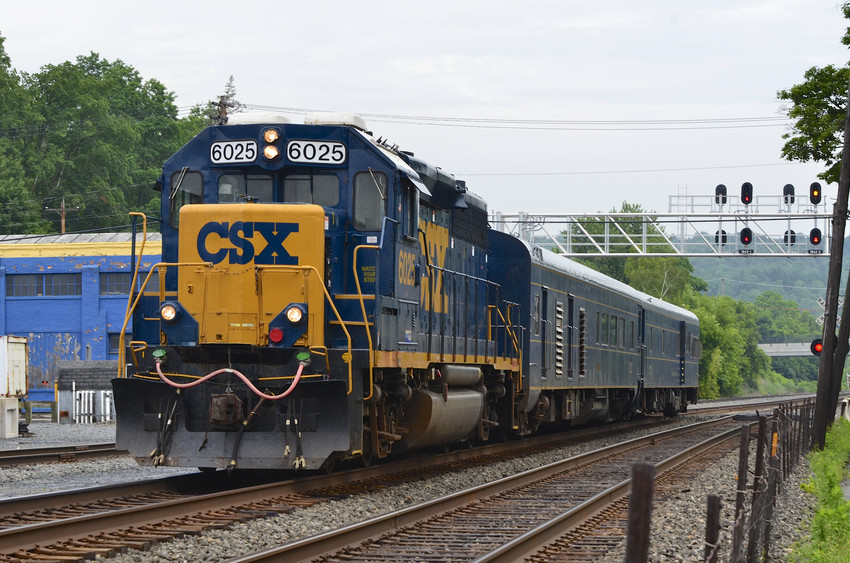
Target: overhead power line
[(558, 124)]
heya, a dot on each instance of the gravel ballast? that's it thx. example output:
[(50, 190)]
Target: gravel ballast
[(678, 523)]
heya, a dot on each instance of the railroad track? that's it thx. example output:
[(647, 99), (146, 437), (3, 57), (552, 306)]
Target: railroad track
[(9, 458), (510, 518), (139, 522), (104, 520)]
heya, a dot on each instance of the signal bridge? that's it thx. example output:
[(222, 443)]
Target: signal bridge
[(700, 226)]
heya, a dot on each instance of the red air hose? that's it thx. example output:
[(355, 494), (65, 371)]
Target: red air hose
[(241, 376)]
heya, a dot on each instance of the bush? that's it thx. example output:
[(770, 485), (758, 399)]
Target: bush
[(829, 539)]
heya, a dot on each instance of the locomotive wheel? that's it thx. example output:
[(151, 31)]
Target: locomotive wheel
[(366, 459)]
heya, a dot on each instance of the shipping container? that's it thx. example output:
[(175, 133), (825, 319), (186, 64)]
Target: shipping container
[(13, 366)]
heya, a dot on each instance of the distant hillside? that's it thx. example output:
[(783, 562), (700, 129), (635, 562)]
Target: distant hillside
[(799, 279)]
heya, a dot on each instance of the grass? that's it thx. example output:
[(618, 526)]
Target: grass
[(829, 539)]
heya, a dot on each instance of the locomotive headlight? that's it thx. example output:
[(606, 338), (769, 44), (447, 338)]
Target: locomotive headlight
[(271, 135), (271, 152), (294, 314), (168, 312)]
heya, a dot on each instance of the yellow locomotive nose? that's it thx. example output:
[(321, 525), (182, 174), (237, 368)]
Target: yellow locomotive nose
[(242, 265)]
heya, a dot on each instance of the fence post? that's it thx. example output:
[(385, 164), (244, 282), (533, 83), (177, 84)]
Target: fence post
[(759, 490), (740, 518), (772, 478), (640, 508), (712, 529)]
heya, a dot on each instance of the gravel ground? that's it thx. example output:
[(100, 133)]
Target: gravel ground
[(53, 477), (678, 524)]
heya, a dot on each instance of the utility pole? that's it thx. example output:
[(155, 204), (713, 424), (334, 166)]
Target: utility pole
[(61, 211), (834, 349)]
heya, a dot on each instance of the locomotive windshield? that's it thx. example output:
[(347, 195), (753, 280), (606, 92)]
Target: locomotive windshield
[(238, 188), (319, 189)]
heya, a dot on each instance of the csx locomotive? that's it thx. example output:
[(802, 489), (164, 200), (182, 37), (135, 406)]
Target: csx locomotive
[(324, 296)]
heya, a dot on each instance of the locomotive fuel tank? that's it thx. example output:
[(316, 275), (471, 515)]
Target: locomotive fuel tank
[(434, 419)]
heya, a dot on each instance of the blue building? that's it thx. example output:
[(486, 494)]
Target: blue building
[(67, 294)]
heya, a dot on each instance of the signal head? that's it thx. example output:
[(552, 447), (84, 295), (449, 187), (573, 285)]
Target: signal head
[(815, 193), (720, 194), (746, 193)]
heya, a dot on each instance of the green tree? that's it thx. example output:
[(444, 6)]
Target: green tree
[(781, 320), (818, 108), (616, 235), (668, 277), (20, 212), (103, 137)]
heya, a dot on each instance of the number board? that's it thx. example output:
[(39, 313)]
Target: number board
[(227, 152), (315, 152)]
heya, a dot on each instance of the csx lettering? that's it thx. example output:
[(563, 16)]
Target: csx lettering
[(406, 268), (438, 243), (244, 244)]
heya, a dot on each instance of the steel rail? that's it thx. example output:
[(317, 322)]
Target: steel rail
[(57, 453), (532, 541), (28, 536), (332, 541)]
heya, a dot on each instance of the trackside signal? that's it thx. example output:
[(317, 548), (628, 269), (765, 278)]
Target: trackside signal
[(746, 235), (816, 346), (815, 193), (788, 194), (790, 237), (746, 193), (815, 240), (720, 194)]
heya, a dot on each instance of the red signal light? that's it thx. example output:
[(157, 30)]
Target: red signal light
[(816, 346), (746, 193), (276, 335)]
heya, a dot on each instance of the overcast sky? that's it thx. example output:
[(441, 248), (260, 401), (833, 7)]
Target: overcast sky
[(504, 70)]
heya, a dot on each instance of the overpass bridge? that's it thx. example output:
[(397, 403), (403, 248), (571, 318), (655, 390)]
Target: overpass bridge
[(786, 349)]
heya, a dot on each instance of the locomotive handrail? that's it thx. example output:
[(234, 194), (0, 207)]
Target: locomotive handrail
[(511, 335), (132, 307), (121, 353), (365, 319), (488, 283), (207, 265), (312, 270)]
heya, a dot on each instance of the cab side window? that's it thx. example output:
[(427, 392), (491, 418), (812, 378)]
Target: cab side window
[(370, 200), (186, 188), (410, 212)]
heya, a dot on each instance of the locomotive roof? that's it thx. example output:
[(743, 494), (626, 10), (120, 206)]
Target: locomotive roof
[(358, 124), (70, 238), (586, 274)]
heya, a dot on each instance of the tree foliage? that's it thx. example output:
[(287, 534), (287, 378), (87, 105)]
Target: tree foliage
[(818, 107), (614, 234), (91, 134), (730, 330)]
